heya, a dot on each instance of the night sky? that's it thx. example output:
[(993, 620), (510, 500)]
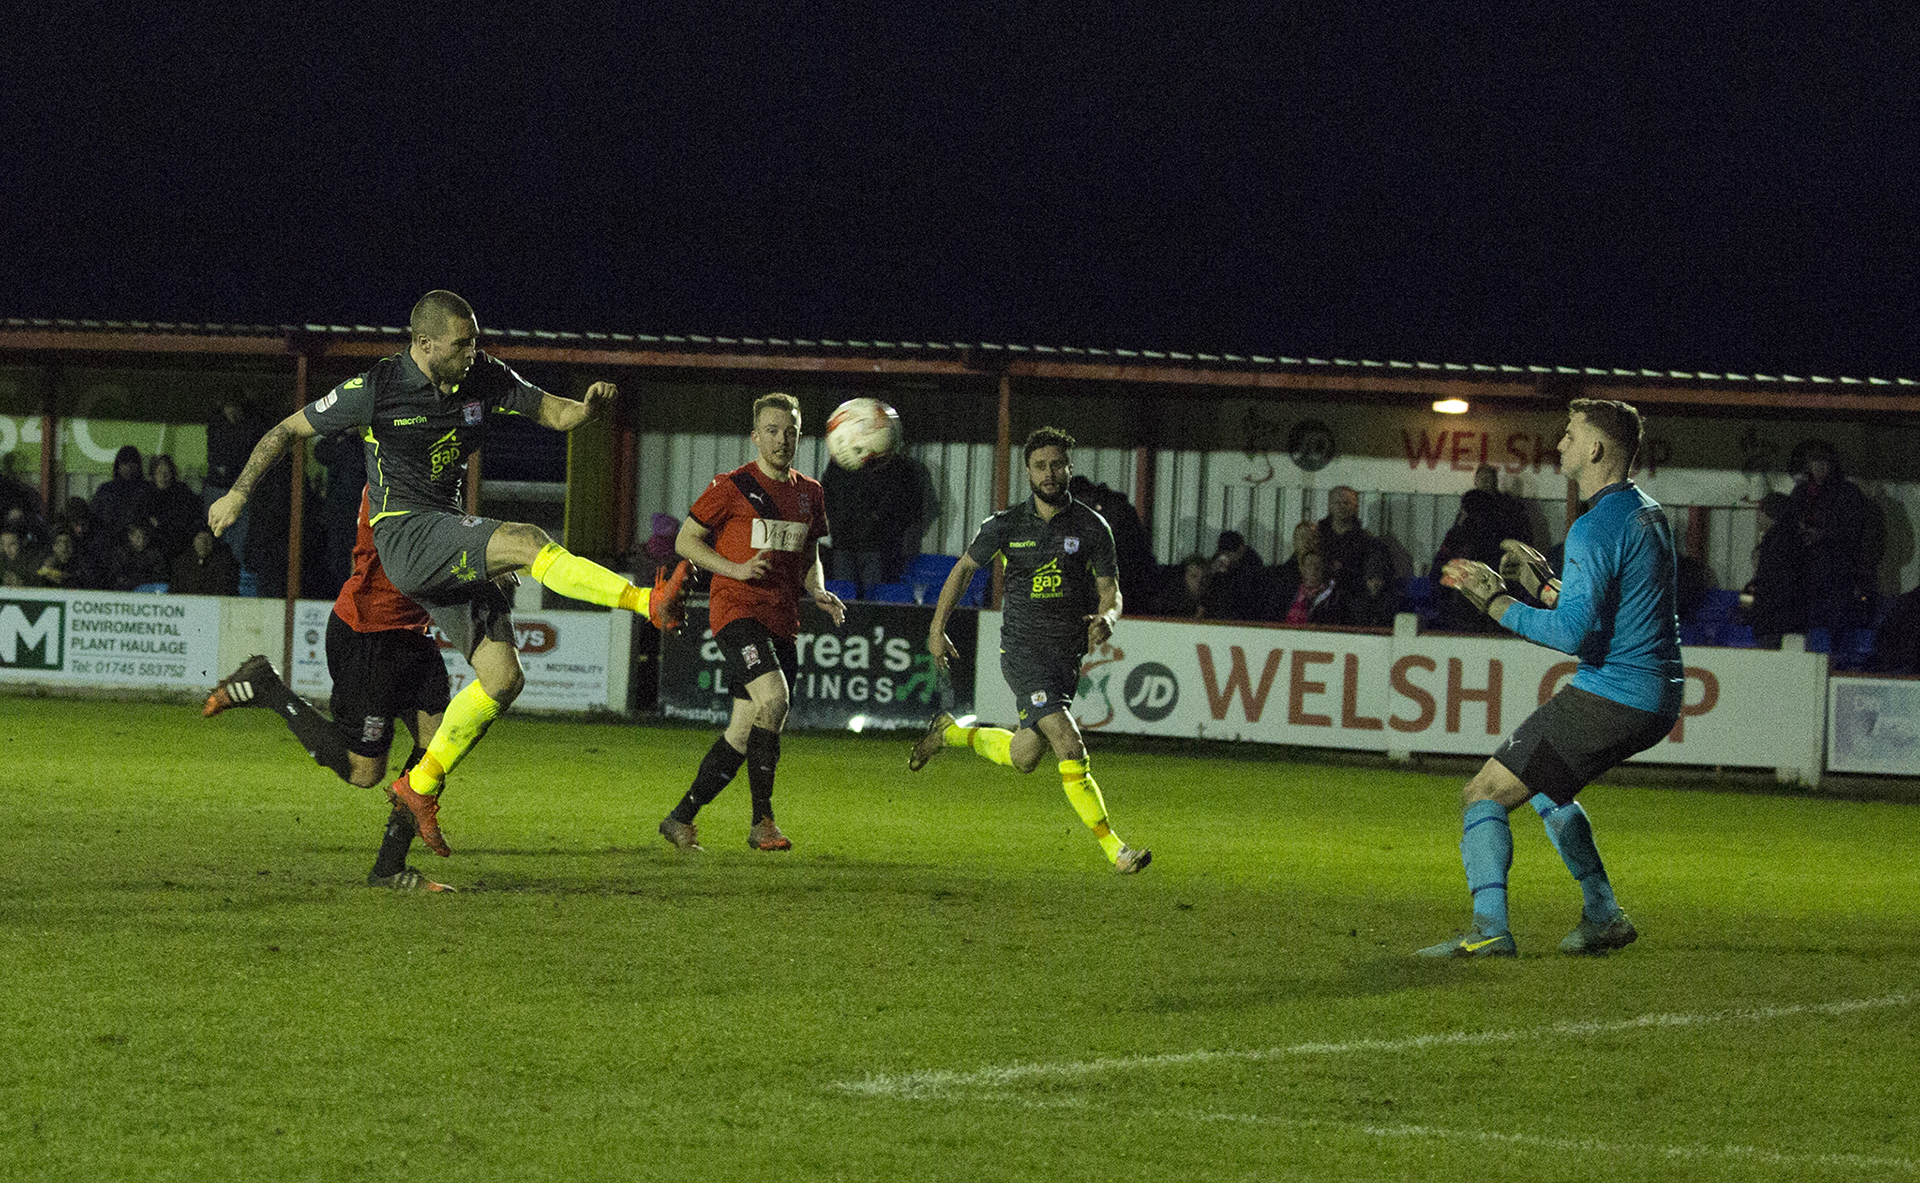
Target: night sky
[(1701, 186)]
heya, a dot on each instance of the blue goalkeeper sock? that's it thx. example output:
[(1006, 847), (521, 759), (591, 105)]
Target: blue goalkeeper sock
[(1486, 847), (1571, 833)]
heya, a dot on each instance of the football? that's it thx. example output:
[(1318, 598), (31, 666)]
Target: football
[(861, 429)]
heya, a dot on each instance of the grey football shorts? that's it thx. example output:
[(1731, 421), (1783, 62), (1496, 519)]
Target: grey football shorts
[(1042, 683), (439, 561), (1575, 736)]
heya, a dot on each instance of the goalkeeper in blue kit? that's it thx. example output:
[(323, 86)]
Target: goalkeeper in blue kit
[(1614, 609)]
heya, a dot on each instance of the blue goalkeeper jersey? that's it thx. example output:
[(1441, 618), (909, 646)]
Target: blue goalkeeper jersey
[(1616, 611)]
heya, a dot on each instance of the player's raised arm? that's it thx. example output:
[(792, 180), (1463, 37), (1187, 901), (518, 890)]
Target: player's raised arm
[(226, 511), (564, 414)]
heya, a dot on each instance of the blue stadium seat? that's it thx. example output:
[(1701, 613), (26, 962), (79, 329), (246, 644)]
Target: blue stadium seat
[(930, 569), (1819, 640), (1719, 605), (1737, 636), (841, 587), (152, 588), (891, 593)]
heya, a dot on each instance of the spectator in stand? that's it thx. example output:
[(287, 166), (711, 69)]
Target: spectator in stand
[(1196, 576), (879, 513), (231, 435), (1475, 535), (658, 549), (1772, 601), (17, 564), (1510, 512), (86, 569), (1343, 539), (1141, 578), (57, 564), (177, 512), (1840, 539), (31, 527), (1896, 644), (1317, 599), (1237, 590), (125, 498), (1283, 580), (1375, 602), (136, 562), (207, 568), (20, 505)]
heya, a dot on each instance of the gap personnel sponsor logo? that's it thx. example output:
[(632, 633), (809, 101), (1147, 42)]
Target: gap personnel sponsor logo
[(32, 633), (1047, 581), (410, 420), (444, 453)]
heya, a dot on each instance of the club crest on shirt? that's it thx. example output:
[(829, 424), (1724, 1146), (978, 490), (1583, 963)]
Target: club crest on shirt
[(1070, 544), (750, 656), (1039, 698), (471, 413)]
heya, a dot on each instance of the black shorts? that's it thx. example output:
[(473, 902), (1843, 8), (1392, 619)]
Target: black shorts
[(1042, 683), (1575, 736), (752, 651), (380, 677)]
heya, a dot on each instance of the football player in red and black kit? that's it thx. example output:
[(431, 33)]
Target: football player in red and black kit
[(758, 529), (384, 667)]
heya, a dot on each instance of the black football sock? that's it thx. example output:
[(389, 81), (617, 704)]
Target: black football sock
[(763, 754), (392, 858), (717, 769), (325, 742)]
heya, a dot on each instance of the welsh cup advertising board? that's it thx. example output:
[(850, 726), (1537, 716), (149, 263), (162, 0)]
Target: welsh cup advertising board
[(874, 672), (1437, 693)]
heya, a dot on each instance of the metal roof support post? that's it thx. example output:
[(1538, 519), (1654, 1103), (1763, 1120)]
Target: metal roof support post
[(296, 525), (1002, 475), (49, 432)]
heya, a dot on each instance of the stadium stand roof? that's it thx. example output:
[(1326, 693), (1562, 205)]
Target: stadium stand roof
[(1253, 371)]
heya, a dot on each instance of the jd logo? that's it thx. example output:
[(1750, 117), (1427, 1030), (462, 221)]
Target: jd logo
[(30, 627), (1152, 692)]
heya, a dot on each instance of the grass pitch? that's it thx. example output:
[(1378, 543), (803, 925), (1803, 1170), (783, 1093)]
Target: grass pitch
[(942, 981)]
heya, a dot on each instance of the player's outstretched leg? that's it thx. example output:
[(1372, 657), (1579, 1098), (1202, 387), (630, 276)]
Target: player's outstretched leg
[(583, 579), (989, 743), (1083, 792), (1486, 849), (256, 684), (1603, 926)]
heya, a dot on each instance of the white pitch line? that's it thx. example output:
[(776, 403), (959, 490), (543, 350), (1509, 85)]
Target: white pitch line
[(933, 1081), (1583, 1146)]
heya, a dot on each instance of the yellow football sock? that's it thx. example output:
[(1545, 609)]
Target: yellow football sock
[(994, 743), (468, 716), (1084, 795), (583, 579)]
